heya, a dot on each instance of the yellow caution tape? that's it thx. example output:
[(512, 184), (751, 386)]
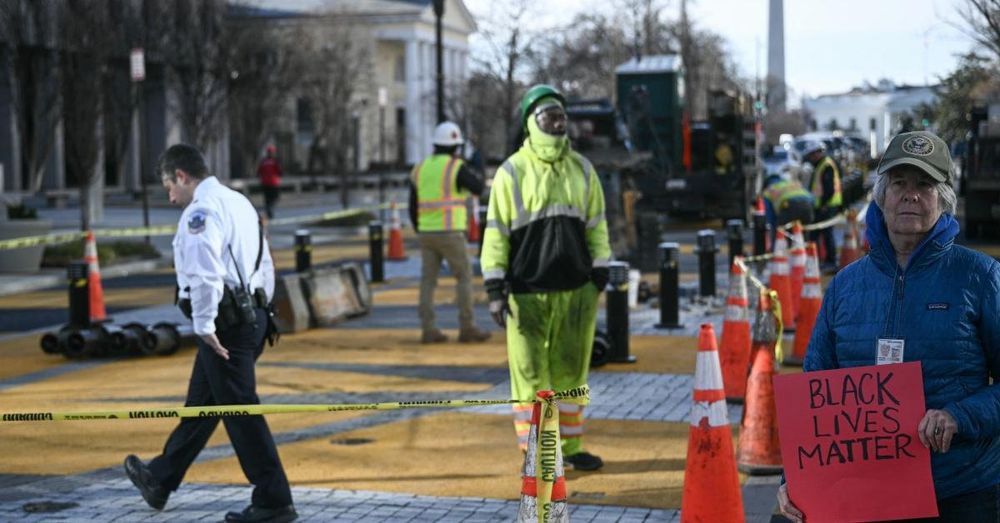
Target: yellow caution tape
[(163, 230), (545, 458), (44, 239), (579, 395)]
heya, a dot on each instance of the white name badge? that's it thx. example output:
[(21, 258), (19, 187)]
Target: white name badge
[(889, 351)]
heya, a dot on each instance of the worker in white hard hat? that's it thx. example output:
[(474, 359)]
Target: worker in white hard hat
[(439, 188)]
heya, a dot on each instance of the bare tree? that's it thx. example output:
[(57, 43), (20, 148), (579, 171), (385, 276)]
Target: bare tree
[(87, 31), (264, 67), (982, 21), (337, 64), (197, 68), (507, 42), (29, 52)]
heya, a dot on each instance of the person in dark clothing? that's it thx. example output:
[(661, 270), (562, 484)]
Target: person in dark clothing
[(225, 278), (269, 172)]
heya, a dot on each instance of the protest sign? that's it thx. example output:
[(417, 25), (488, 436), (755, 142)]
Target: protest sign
[(849, 443)]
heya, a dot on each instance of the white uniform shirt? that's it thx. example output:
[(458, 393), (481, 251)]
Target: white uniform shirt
[(217, 218)]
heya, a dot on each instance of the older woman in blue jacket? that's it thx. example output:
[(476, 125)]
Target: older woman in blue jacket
[(934, 302)]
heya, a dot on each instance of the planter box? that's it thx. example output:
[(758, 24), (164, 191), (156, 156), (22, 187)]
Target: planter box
[(27, 259)]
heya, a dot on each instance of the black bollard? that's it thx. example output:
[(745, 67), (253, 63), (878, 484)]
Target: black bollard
[(706, 262), (759, 233), (617, 308), (375, 248), (303, 251), (669, 286), (734, 231), (79, 294)]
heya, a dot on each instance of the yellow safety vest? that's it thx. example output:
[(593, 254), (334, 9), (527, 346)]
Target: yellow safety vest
[(816, 186), (440, 203), (779, 193)]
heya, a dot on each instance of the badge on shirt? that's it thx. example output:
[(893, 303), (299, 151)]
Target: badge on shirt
[(889, 351), (196, 223)]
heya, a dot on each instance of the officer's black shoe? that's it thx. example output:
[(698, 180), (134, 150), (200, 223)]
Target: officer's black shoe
[(583, 461), (254, 514), (138, 472)]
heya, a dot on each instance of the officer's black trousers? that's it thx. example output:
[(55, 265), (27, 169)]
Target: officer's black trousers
[(215, 381)]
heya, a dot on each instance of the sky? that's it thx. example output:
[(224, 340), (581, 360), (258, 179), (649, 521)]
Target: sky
[(830, 45)]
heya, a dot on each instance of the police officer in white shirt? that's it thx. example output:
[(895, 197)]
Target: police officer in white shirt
[(225, 277)]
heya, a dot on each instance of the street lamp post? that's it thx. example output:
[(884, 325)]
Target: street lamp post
[(137, 64), (439, 14), (383, 100)]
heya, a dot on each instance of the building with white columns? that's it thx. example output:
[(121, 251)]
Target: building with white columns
[(396, 101)]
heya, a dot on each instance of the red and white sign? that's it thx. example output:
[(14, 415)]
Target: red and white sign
[(849, 443)]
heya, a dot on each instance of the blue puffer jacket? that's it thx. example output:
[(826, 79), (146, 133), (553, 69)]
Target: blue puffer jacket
[(946, 306)]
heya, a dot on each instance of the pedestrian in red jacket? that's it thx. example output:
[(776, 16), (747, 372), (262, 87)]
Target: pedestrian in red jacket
[(269, 172)]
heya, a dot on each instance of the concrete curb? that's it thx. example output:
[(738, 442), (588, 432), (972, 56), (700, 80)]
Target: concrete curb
[(16, 284)]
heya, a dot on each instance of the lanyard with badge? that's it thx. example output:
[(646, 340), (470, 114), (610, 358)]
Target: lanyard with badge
[(889, 350)]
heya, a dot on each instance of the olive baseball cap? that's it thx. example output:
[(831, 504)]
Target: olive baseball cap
[(921, 149)]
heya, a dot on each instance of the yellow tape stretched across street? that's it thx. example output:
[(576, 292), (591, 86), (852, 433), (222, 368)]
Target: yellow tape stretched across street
[(579, 395), (165, 230)]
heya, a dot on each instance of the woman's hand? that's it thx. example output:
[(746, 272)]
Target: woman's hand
[(785, 505), (936, 430)]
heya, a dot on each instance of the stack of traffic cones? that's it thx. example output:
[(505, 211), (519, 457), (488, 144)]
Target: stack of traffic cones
[(97, 312), (396, 252), (543, 484), (758, 452), (781, 280), (849, 251), (711, 485), (797, 259), (472, 234), (735, 347), (811, 299)]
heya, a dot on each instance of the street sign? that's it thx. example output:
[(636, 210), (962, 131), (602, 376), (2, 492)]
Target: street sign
[(138, 65)]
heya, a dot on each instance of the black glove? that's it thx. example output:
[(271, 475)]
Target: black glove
[(600, 277), (496, 289)]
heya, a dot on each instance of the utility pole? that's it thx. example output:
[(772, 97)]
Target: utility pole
[(138, 70), (439, 14)]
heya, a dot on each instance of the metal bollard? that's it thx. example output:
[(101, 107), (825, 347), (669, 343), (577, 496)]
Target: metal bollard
[(87, 342), (734, 231), (759, 233), (166, 339), (79, 294), (617, 309), (706, 262), (669, 286), (376, 251), (303, 251)]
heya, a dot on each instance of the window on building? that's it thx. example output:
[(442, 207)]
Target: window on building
[(303, 117), (872, 124), (853, 125), (400, 69)]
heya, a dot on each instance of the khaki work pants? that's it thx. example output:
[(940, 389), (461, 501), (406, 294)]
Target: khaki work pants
[(449, 246)]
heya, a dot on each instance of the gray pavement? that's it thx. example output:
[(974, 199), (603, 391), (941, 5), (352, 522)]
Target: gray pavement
[(105, 495)]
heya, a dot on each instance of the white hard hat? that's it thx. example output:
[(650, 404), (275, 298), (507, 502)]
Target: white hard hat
[(812, 146), (448, 133)]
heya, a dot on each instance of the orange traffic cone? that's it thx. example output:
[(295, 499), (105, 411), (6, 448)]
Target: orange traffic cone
[(849, 252), (543, 466), (396, 252), (472, 234), (797, 259), (734, 351), (97, 312), (758, 452), (711, 485), (811, 299), (781, 281)]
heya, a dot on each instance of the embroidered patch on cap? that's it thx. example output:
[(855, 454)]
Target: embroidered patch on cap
[(937, 306), (196, 223), (918, 145)]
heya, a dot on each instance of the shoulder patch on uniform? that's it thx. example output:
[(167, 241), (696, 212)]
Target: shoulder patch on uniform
[(196, 223)]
